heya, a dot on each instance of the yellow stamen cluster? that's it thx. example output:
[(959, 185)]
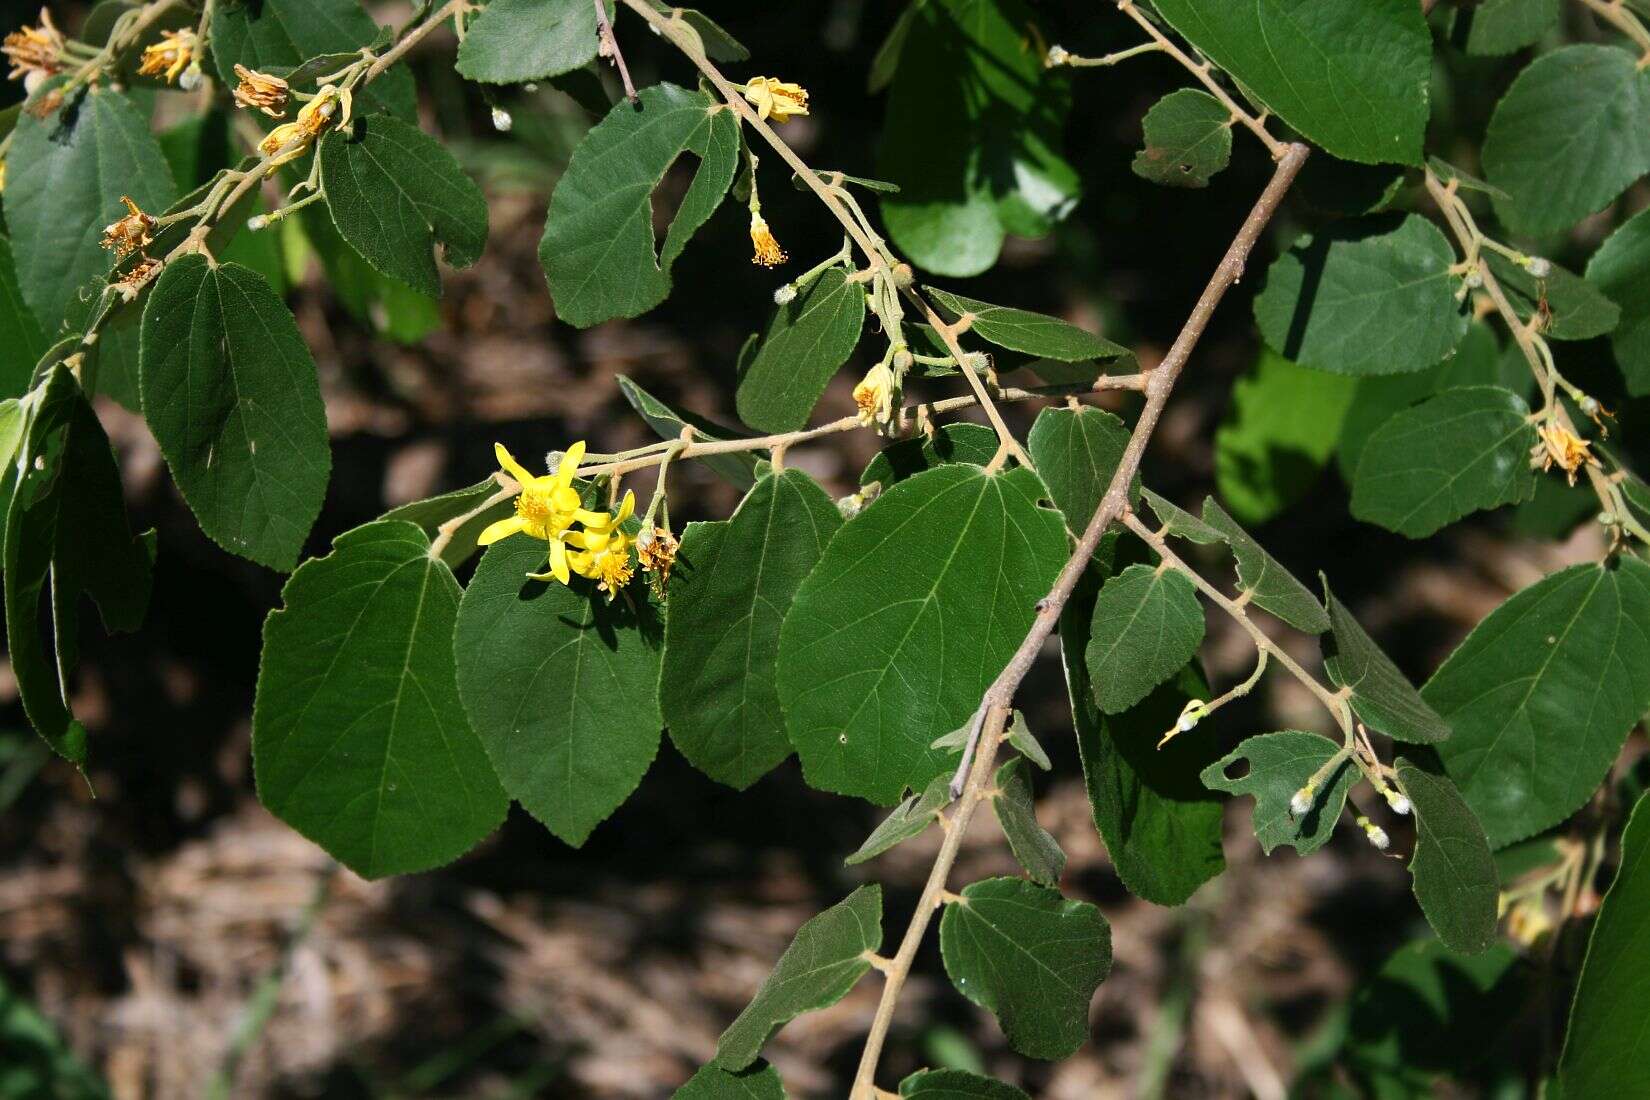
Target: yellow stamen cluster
[(34, 52), (657, 552), (1562, 448), (875, 397), (768, 252), (170, 56), (127, 234), (774, 98), (548, 508), (290, 140), (261, 92)]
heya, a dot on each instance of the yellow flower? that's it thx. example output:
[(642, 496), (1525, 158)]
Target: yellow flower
[(546, 508), (875, 396), (768, 252), (656, 549), (129, 233), (603, 548), (331, 106), (1562, 448), (261, 92), (773, 98), (170, 56), (34, 52)]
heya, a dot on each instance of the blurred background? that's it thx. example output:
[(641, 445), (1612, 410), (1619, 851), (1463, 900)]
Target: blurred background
[(170, 939)]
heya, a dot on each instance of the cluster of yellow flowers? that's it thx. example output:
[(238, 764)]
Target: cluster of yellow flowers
[(781, 101), (548, 508)]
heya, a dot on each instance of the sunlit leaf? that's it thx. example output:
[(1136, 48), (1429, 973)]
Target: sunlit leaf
[(1188, 140), (805, 342)]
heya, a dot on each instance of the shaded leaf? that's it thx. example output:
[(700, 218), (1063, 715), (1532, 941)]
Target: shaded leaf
[(1030, 957), (1272, 586), (911, 818), (1559, 671), (911, 613), (823, 962), (1076, 452), (1283, 425), (1454, 873), (359, 741), (1495, 27), (394, 192), (1466, 181), (739, 467), (1147, 624), (597, 249), (21, 341), (805, 342), (1572, 132), (429, 514), (712, 1082), (956, 1084), (1024, 331), (718, 44), (1349, 74), (516, 41), (1188, 140), (1381, 695), (1621, 269), (1025, 743), (1016, 807), (729, 591), (1451, 455), (1364, 298), (229, 389), (958, 441), (1180, 523), (278, 36), (561, 685), (1278, 765), (1573, 308)]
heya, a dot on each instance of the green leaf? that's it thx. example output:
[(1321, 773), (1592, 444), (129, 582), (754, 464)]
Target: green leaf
[(823, 962), (65, 174), (914, 609), (911, 818), (972, 137), (1371, 297), (1560, 672), (384, 305), (759, 1082), (1621, 269), (1076, 452), (597, 249), (1016, 807), (1030, 957), (394, 191), (1381, 695), (1603, 1055), (958, 441), (230, 392), (737, 467), (1283, 425), (1349, 74), (956, 1084), (1572, 132), (1277, 766), (1453, 454), (1575, 309), (358, 738), (1188, 140), (718, 44), (429, 514), (561, 684), (1025, 743), (21, 341), (1492, 28), (278, 36), (1024, 331), (516, 41), (40, 1063), (66, 536), (1454, 872), (729, 591), (805, 342), (1466, 181), (1178, 522), (1270, 584), (1147, 624)]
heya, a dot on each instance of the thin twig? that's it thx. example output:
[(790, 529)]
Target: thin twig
[(414, 37), (1000, 695), (609, 48)]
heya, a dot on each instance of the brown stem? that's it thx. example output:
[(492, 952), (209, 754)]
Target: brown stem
[(610, 48), (1000, 695)]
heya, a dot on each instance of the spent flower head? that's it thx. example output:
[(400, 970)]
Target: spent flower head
[(127, 234), (170, 56), (1561, 447), (875, 396), (766, 248), (261, 92), (776, 99), (34, 52)]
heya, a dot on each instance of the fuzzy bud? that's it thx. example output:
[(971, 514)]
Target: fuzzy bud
[(784, 295), (903, 275), (257, 222), (1057, 56), (1590, 406), (191, 78), (1538, 267), (1398, 801), (1475, 278), (502, 120), (1301, 803), (902, 360), (1377, 836)]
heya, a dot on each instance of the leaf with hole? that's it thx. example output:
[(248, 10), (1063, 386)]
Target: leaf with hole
[(1188, 140), (229, 389), (1278, 766), (597, 249), (561, 684), (1030, 957), (359, 741), (823, 962), (730, 588), (808, 338), (913, 610), (1561, 671)]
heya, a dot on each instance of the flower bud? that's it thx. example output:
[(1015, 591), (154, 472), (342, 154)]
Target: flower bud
[(1398, 801), (784, 295), (1057, 55), (257, 222), (1539, 267), (1301, 803), (502, 120)]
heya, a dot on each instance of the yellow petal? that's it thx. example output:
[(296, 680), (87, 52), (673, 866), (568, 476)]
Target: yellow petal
[(558, 560), (503, 528), (569, 466), (627, 508), (509, 465), (592, 519)]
